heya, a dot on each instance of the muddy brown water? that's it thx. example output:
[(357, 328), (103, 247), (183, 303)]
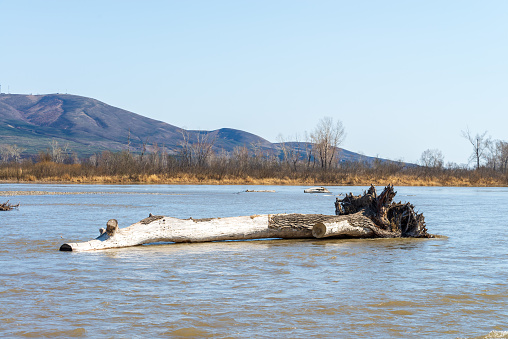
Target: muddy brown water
[(452, 287)]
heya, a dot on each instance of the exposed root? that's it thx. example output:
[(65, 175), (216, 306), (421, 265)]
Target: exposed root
[(390, 219)]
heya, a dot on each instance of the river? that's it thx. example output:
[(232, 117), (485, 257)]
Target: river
[(451, 287)]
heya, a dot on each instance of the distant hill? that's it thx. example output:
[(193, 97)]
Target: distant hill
[(88, 126)]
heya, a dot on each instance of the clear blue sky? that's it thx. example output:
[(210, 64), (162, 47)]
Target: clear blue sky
[(403, 76)]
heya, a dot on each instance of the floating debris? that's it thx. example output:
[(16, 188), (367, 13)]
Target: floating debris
[(260, 191), (7, 207), (316, 190)]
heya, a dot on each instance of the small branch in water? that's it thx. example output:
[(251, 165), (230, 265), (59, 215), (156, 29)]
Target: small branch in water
[(7, 207)]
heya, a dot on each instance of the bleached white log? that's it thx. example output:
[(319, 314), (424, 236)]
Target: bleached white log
[(364, 216), (167, 229)]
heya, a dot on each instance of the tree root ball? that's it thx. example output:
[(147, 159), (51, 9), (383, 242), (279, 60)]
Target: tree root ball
[(391, 219)]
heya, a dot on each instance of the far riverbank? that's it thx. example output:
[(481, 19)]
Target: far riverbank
[(345, 180)]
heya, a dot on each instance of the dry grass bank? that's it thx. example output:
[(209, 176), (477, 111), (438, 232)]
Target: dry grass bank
[(254, 174), (193, 179)]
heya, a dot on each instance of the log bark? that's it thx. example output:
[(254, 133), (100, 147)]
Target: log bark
[(363, 216), (356, 225)]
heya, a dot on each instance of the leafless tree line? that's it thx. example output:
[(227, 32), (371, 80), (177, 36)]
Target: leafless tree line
[(55, 152), (10, 153), (318, 158), (486, 154), (492, 154)]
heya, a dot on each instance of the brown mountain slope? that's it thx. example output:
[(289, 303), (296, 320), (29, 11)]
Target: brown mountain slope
[(89, 125)]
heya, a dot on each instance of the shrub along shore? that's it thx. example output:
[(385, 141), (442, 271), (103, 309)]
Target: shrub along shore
[(275, 173)]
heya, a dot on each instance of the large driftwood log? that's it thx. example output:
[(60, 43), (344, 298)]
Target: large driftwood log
[(166, 229), (363, 216)]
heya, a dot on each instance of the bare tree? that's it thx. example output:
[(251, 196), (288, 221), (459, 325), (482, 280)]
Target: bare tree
[(241, 158), (94, 160), (327, 137), (296, 152), (58, 154), (285, 148), (432, 158), (291, 151), (220, 162), (4, 153), (11, 153), (75, 158), (257, 159), (154, 157), (503, 145), (480, 143), (164, 157), (202, 148), (186, 149), (143, 150), (309, 151), (499, 155)]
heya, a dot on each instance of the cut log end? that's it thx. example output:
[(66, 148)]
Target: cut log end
[(319, 230), (111, 227), (66, 248)]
